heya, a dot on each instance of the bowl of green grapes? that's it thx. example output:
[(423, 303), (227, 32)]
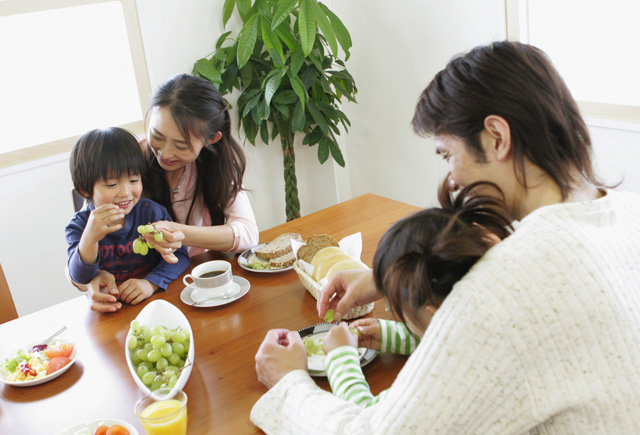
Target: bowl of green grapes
[(159, 347)]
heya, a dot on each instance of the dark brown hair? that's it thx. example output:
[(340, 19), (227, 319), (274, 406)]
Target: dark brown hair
[(519, 83), (103, 154), (421, 257), (200, 112)]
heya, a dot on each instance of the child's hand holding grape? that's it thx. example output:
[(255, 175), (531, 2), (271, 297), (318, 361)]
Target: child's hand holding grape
[(370, 334), (339, 335)]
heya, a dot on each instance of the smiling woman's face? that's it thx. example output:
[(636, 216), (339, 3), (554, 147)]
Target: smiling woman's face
[(169, 146)]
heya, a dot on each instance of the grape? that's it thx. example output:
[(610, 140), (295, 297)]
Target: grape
[(142, 370), (149, 228), (141, 229), (157, 330), (135, 326), (158, 341), (154, 356), (162, 363), (135, 359), (137, 244), (158, 236), (174, 359), (167, 334), (132, 342), (172, 381), (148, 347), (144, 249), (148, 378), (179, 337), (178, 348), (166, 350), (142, 354)]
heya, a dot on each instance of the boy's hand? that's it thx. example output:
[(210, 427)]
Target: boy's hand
[(103, 293), (102, 222), (370, 334), (339, 335), (133, 291)]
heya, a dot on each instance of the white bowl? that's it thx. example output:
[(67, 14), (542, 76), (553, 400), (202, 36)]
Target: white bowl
[(165, 314), (91, 426)]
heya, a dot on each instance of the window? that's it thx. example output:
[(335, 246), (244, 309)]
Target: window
[(594, 46), (69, 66)]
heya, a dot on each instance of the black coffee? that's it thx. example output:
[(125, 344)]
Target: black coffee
[(211, 274)]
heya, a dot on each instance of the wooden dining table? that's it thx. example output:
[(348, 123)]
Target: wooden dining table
[(223, 385)]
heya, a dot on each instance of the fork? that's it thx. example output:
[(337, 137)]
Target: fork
[(229, 296)]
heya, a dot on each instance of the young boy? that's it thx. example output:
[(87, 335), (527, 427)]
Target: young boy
[(105, 167)]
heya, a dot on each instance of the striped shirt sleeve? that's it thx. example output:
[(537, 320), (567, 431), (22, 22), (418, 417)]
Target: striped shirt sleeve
[(395, 337)]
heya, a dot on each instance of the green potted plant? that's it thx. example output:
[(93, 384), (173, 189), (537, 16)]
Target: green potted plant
[(284, 61)]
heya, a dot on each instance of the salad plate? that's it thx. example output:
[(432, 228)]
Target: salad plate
[(247, 257), (316, 361), (4, 377), (163, 313), (89, 427)]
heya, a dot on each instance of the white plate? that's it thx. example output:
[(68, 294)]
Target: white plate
[(92, 425), (316, 362), (245, 258), (47, 378), (161, 312), (190, 296)]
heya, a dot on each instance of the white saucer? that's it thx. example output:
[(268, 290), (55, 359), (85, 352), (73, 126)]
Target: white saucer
[(240, 286)]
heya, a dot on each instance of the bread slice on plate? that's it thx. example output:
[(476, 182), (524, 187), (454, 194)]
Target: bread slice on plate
[(278, 247), (283, 261)]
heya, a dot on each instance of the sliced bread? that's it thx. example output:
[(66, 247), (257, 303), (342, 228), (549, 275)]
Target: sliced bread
[(278, 247), (314, 244), (283, 261)]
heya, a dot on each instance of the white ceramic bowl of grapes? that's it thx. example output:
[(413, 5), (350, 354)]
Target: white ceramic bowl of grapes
[(159, 347)]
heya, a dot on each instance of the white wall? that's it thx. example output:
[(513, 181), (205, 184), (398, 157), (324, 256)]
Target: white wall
[(395, 54)]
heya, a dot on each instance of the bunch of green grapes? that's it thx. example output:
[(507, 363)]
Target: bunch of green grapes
[(140, 245), (158, 354)]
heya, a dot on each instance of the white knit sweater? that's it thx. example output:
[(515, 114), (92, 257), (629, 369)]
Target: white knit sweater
[(542, 336)]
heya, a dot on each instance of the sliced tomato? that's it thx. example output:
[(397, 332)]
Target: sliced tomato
[(63, 349), (57, 363), (117, 429), (101, 430)]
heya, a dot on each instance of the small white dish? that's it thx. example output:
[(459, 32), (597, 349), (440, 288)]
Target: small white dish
[(91, 426), (240, 288), (161, 312), (316, 362), (247, 257), (47, 378)]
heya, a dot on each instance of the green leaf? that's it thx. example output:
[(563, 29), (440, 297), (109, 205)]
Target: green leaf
[(308, 77), (325, 26), (323, 151), (227, 10), (313, 137), (250, 105), (286, 97), (317, 117), (272, 85), (298, 120), (247, 40), (335, 151), (264, 132), (272, 42), (283, 12), (221, 39), (264, 110), (298, 88), (342, 34), (250, 129), (208, 71), (341, 89), (297, 60), (306, 26), (244, 6), (284, 33), (274, 131), (283, 109)]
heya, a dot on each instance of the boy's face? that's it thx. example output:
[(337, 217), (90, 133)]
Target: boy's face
[(124, 192)]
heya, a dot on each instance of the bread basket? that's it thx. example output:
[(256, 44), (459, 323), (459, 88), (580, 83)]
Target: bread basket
[(314, 288)]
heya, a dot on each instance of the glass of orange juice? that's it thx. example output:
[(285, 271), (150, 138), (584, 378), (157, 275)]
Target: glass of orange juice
[(163, 412)]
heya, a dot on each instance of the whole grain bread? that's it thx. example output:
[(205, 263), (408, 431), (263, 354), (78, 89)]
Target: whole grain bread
[(278, 247), (314, 244), (283, 261)]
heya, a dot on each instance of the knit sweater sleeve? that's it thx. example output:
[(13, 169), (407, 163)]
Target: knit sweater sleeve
[(430, 391)]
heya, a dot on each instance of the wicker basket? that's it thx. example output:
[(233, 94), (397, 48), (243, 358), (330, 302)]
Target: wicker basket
[(314, 288)]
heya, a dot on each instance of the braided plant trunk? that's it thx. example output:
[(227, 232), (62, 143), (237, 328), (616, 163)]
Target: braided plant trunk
[(290, 181)]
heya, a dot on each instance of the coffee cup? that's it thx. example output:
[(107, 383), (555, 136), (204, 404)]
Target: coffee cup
[(211, 279)]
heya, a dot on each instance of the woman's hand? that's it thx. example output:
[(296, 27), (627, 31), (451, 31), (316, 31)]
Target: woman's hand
[(369, 330), (350, 288), (339, 335), (172, 239), (103, 293), (281, 352)]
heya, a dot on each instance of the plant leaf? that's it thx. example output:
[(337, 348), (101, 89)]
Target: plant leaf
[(250, 129), (325, 26), (286, 97), (247, 40), (306, 26), (272, 42), (297, 59), (221, 39), (272, 85), (285, 35), (243, 8), (264, 132), (317, 117), (227, 10), (342, 34), (250, 105), (298, 88), (341, 89), (264, 110), (298, 119), (207, 70), (335, 151), (283, 12), (323, 151), (283, 109)]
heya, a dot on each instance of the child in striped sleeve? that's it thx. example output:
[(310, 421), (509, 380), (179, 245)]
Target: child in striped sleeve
[(417, 262)]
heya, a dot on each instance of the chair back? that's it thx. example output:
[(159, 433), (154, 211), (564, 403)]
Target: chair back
[(7, 307)]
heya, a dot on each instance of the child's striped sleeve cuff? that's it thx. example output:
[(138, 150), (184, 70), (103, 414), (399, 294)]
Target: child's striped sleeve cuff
[(396, 337)]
